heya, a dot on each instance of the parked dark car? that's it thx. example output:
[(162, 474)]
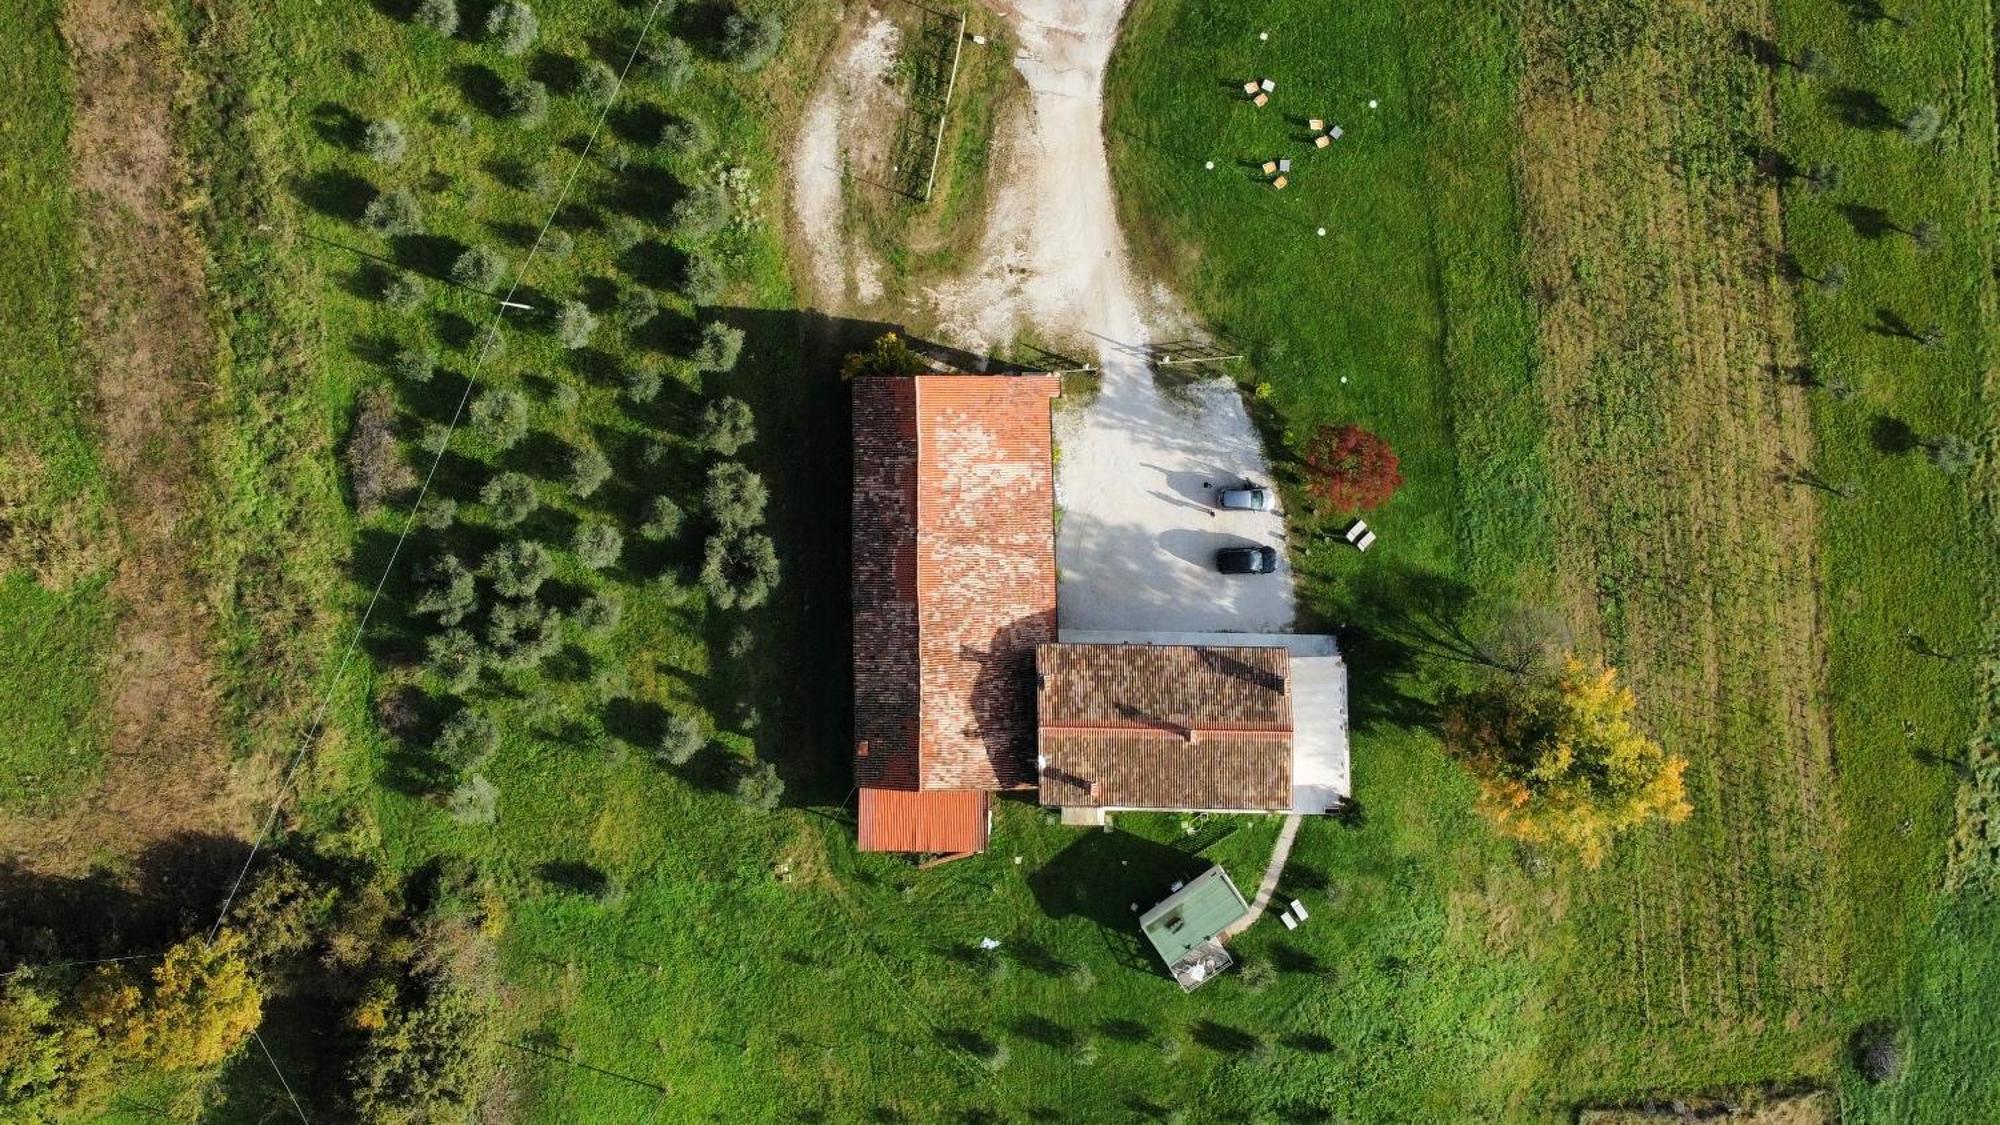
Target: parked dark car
[(1246, 560)]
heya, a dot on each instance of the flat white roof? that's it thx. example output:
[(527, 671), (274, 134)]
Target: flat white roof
[(1321, 774)]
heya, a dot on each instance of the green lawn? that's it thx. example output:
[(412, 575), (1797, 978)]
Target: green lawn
[(51, 485)]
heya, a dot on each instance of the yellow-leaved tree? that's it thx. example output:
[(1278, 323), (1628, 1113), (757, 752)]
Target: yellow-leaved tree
[(1559, 761)]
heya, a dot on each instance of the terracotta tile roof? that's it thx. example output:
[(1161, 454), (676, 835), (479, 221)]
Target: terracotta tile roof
[(932, 820), (885, 582), (1165, 726), (954, 577)]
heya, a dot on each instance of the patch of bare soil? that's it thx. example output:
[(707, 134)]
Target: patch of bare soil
[(847, 134), (148, 345)]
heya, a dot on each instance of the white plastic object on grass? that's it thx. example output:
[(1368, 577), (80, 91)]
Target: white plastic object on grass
[(989, 944)]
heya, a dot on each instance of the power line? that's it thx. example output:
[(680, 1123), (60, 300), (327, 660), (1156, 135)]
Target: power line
[(18, 970), (280, 1072), (491, 336)]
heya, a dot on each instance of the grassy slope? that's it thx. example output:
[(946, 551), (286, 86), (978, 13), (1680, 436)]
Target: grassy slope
[(50, 480), (1403, 295)]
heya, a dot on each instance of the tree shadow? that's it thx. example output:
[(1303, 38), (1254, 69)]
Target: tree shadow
[(1891, 436), (1868, 221), (1223, 1039), (1040, 1029), (1862, 109), (482, 88), (1125, 1030), (335, 193), (1103, 877), (1888, 323), (1308, 1043), (573, 876)]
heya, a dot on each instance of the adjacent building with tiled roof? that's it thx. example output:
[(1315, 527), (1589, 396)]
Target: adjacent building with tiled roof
[(1123, 726), (954, 588)]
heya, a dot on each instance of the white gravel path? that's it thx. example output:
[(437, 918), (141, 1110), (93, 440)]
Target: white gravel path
[(1139, 531)]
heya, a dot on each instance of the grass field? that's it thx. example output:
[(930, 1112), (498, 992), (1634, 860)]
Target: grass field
[(1606, 433), (1546, 278), (51, 484)]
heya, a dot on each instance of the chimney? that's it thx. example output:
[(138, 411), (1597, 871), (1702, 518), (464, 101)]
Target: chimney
[(1193, 737), (1096, 790), (861, 749)]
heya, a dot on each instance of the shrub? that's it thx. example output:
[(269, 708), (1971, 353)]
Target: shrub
[(1349, 468), (512, 27), (1920, 125), (750, 39), (427, 1061), (525, 101), (699, 212), (699, 279), (416, 363), (375, 464), (518, 569), (597, 545), (739, 569), (760, 787), (741, 642), (520, 635), (735, 497), (466, 742), (1878, 1052), (727, 425), (454, 657), (661, 520), (535, 179), (565, 398), (670, 59), (588, 469), (394, 212), (446, 590), (624, 232), (641, 384), (438, 512), (1926, 235), (1950, 452), (474, 802), (403, 292), (888, 355), (384, 141), (686, 137), (1257, 975), (721, 346), (502, 416), (511, 497), (440, 16), (681, 739), (575, 324), (478, 268), (596, 82), (1081, 977), (1084, 1053), (557, 245), (600, 612), (637, 307)]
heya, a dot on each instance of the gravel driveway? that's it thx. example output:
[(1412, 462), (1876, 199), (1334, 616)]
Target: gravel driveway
[(1140, 529)]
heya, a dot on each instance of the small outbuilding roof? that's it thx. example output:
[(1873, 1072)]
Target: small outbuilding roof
[(948, 821), (1186, 928)]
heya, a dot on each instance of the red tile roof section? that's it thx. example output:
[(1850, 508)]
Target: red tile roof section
[(885, 582), (954, 578), (937, 820), (986, 573)]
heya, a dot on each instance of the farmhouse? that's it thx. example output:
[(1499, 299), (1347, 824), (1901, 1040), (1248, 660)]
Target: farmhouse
[(963, 689), (954, 588)]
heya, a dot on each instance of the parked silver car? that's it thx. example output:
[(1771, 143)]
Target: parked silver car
[(1249, 498)]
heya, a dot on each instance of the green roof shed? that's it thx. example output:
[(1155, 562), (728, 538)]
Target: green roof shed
[(1186, 928)]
